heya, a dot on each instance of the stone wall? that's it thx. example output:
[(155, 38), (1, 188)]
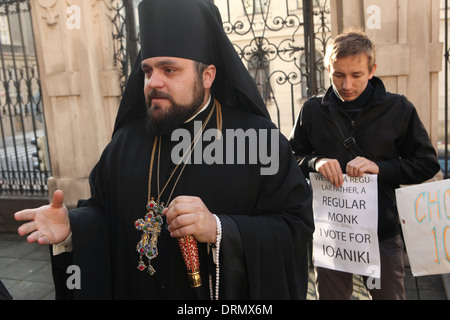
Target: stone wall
[(409, 54), (80, 87)]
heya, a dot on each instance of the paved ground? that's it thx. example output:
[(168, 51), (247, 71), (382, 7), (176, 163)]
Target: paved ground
[(25, 271)]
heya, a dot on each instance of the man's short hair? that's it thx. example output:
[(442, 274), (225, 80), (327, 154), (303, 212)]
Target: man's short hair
[(349, 44), (200, 67)]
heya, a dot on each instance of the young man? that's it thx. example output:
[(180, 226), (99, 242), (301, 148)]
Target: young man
[(393, 144), (189, 81)]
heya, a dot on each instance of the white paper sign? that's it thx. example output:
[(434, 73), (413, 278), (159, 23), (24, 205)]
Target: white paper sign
[(346, 221), (424, 212)]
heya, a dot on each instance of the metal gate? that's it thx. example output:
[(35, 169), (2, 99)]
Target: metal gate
[(281, 42), (24, 161)]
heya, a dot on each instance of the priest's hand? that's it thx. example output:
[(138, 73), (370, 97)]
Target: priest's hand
[(48, 224), (360, 166), (189, 216), (331, 170)]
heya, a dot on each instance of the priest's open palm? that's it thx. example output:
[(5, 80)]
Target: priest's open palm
[(48, 224)]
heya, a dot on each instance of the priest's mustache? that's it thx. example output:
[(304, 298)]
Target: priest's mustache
[(157, 94)]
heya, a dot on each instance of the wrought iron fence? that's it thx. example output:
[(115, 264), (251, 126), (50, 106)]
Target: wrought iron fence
[(281, 42), (126, 42), (24, 162)]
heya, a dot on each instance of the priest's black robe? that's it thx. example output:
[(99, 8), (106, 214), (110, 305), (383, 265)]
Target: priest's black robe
[(267, 221)]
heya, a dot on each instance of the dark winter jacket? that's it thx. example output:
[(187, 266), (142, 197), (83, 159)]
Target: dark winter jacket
[(388, 131)]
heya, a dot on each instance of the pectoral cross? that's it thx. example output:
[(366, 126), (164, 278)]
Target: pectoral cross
[(151, 228)]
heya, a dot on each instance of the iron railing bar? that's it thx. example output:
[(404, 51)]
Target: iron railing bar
[(5, 148), (28, 85), (16, 82)]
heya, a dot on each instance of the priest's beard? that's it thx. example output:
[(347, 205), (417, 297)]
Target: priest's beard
[(176, 114)]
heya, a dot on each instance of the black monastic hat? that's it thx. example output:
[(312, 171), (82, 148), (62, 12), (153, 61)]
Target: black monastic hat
[(190, 29)]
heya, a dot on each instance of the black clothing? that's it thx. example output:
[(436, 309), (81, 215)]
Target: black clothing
[(193, 30), (267, 221), (352, 108), (4, 294), (389, 132)]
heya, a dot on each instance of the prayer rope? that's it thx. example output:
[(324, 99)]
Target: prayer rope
[(216, 253)]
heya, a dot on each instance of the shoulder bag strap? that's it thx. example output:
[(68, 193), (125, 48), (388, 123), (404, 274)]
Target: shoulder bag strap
[(349, 142)]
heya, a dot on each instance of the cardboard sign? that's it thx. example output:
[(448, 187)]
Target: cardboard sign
[(424, 212), (346, 221)]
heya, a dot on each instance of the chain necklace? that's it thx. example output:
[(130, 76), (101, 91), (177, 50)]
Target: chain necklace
[(151, 224)]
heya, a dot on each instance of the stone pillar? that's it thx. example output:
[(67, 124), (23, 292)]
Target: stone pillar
[(80, 87), (409, 54)]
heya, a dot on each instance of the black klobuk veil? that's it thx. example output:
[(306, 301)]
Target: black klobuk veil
[(190, 29)]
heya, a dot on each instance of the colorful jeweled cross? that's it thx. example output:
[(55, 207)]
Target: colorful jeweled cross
[(151, 228)]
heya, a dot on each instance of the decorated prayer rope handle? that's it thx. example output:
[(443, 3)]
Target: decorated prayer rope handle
[(189, 250)]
